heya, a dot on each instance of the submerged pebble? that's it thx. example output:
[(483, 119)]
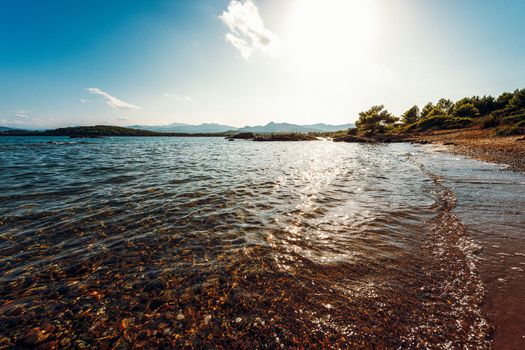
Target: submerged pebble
[(184, 244)]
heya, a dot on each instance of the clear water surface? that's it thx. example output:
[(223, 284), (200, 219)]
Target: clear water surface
[(201, 242)]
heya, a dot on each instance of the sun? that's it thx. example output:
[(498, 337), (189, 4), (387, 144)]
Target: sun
[(327, 36)]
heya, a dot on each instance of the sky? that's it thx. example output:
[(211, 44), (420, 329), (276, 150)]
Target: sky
[(249, 62)]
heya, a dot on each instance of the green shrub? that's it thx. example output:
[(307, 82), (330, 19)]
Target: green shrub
[(375, 120), (518, 99), (509, 130), (489, 121), (368, 133), (513, 119), (466, 110), (352, 131), (411, 116), (443, 122)]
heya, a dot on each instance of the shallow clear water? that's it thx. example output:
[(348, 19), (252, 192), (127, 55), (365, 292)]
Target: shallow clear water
[(201, 242)]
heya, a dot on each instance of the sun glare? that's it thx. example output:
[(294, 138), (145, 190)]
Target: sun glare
[(329, 36)]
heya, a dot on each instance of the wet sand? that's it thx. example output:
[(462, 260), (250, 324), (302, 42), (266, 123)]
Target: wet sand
[(503, 304)]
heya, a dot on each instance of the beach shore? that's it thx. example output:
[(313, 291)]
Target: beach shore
[(502, 303), (481, 144)]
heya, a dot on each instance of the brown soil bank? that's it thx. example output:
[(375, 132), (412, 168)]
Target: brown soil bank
[(482, 145)]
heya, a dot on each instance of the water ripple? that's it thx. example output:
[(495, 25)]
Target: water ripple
[(107, 243)]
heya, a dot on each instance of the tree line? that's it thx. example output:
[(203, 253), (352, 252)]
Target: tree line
[(506, 112)]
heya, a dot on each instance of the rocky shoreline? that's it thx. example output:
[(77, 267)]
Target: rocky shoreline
[(272, 137), (481, 144)]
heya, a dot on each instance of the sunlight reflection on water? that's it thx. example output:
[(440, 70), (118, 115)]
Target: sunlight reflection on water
[(120, 228)]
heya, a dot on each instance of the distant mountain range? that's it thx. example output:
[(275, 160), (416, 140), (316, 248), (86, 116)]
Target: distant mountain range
[(212, 128), (286, 127), (3, 128), (268, 128), (186, 128)]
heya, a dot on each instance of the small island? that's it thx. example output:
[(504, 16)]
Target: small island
[(273, 137)]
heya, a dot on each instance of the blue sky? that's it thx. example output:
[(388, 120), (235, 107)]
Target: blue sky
[(76, 62)]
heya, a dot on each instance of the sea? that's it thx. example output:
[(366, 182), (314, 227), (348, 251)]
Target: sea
[(203, 243)]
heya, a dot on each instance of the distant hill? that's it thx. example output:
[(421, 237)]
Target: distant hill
[(99, 131), (287, 128), (6, 128), (175, 130), (263, 129), (186, 128)]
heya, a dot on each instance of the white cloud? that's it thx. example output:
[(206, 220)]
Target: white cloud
[(247, 31), (178, 97), (82, 100), (22, 115), (112, 101), (21, 119), (15, 121)]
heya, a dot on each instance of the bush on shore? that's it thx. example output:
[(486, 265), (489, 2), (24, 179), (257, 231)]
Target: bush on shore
[(509, 131), (375, 120), (508, 109)]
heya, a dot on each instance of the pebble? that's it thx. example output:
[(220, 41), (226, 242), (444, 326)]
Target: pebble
[(207, 319), (37, 335)]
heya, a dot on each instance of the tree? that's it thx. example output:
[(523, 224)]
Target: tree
[(503, 100), (518, 99), (436, 111), (376, 119), (485, 105), (427, 109), (411, 116), (445, 106), (466, 110)]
